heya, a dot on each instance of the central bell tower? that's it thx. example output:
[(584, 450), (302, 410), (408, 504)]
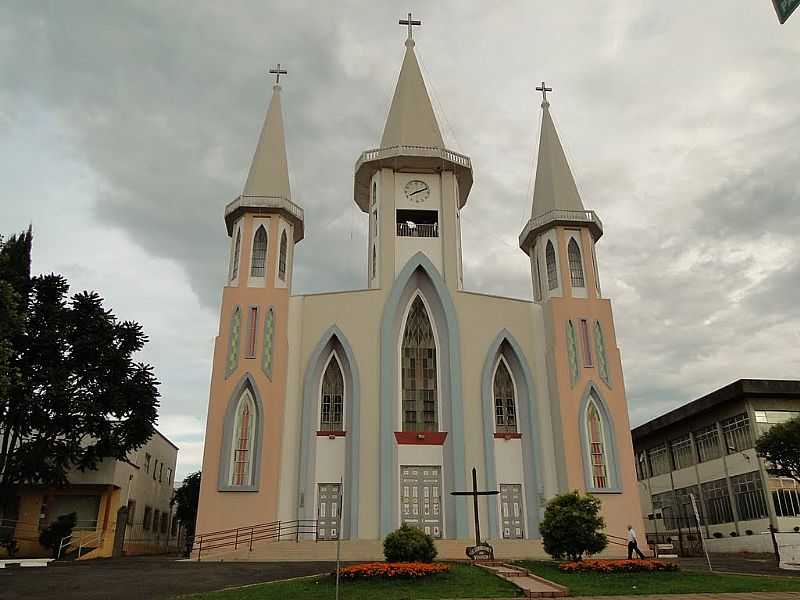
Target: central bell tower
[(412, 187)]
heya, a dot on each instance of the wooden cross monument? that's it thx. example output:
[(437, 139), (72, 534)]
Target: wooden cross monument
[(475, 493)]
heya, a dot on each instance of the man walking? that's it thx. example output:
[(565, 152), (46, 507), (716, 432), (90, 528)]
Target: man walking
[(633, 545)]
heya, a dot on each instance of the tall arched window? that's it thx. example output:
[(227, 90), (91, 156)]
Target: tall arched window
[(550, 261), (332, 397), (258, 261), (600, 350), (243, 439), (234, 270), (420, 402), (233, 341), (282, 257), (597, 446), (572, 353), (374, 261), (575, 264), (505, 414)]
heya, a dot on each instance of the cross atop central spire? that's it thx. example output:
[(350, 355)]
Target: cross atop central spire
[(277, 71), (411, 23), (544, 89)]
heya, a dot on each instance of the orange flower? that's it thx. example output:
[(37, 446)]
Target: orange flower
[(381, 569), (617, 566)]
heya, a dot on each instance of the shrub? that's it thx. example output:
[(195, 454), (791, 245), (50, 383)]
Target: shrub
[(734, 534), (9, 543), (572, 526), (797, 528), (718, 534), (51, 536), (409, 544), (394, 569), (749, 532), (617, 566)]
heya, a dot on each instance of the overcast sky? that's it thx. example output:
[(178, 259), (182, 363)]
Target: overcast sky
[(125, 128)]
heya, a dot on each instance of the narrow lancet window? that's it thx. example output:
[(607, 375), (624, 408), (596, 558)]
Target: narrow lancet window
[(597, 447), (282, 257), (505, 414), (420, 402), (332, 397), (259, 260), (575, 264), (243, 441), (234, 270), (550, 261)]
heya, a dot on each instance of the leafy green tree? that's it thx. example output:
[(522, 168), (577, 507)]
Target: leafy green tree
[(780, 447), (572, 526), (409, 544), (185, 500), (71, 393), (51, 536)]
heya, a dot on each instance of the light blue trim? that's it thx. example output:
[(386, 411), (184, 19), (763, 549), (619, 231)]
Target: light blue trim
[(526, 409), (332, 339), (445, 320), (226, 448), (609, 439)]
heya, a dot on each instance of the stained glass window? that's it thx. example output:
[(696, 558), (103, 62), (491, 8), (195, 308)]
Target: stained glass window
[(332, 399), (259, 259), (552, 270), (234, 270), (600, 347), (575, 264), (597, 450), (243, 440), (282, 257), (233, 343), (572, 353), (505, 414), (269, 334), (420, 410)]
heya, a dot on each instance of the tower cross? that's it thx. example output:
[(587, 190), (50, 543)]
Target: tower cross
[(475, 493), (411, 23), (277, 71), (544, 89)]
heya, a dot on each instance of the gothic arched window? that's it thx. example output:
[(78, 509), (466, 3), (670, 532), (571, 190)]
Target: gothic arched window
[(550, 261), (243, 440), (575, 264), (374, 261), (420, 403), (332, 397), (234, 270), (258, 261), (505, 414), (282, 257), (597, 446)]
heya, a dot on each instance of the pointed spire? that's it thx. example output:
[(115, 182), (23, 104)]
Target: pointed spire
[(411, 120), (269, 173), (555, 187)]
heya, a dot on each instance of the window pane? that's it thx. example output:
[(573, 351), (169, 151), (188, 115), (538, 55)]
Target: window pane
[(418, 377)]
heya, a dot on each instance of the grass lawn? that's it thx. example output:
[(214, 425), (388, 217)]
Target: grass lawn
[(463, 581), (679, 582)]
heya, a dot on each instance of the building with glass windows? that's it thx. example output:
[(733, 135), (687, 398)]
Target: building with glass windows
[(355, 412), (705, 449)]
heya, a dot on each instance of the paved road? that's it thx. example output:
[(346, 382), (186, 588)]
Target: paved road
[(141, 578), (757, 564)]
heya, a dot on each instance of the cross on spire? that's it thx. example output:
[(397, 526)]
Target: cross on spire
[(544, 89), (277, 71), (411, 23)]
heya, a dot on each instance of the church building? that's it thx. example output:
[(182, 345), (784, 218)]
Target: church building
[(359, 411)]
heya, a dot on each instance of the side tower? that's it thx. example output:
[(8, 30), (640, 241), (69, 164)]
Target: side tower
[(248, 380), (587, 391)]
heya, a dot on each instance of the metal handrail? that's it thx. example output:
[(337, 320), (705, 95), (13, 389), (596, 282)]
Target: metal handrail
[(275, 530), (65, 543), (85, 541)]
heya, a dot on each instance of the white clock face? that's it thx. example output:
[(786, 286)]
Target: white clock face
[(417, 191)]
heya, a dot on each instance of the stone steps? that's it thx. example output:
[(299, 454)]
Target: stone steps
[(531, 585)]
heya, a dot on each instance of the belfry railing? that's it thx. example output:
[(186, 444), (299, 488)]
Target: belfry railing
[(274, 531)]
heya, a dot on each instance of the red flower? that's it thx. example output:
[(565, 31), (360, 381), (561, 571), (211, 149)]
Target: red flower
[(381, 569)]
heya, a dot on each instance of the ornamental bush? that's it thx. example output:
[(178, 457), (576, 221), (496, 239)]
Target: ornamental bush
[(617, 566), (572, 526), (395, 569), (51, 536), (409, 544)]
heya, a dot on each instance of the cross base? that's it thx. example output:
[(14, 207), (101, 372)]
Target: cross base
[(482, 551)]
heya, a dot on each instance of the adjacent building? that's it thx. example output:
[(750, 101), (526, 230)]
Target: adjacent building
[(705, 449), (144, 484)]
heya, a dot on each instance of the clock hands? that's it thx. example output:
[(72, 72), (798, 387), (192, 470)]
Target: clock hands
[(418, 191)]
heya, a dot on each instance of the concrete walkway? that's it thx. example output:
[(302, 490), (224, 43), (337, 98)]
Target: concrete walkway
[(741, 596)]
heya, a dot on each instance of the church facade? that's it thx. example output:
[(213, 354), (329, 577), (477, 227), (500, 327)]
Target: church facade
[(363, 410)]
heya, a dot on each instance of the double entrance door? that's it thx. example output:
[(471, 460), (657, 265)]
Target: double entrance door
[(329, 506), (421, 498), (511, 510)]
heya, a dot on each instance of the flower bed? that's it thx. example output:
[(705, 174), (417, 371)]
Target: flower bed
[(617, 566), (381, 569)]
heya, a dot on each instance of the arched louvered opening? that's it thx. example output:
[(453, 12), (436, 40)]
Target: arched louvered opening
[(419, 374), (258, 261), (597, 446), (552, 270), (332, 397), (243, 439), (575, 264), (234, 268), (282, 257), (505, 408)]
